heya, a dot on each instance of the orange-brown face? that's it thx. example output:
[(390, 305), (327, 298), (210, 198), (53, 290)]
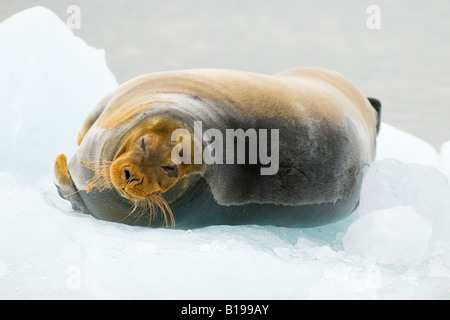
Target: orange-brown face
[(144, 166)]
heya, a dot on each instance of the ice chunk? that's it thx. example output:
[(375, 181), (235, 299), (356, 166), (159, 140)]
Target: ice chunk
[(445, 156), (403, 146), (398, 235), (390, 183), (49, 80)]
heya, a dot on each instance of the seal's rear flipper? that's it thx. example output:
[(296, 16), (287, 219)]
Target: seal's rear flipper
[(376, 104)]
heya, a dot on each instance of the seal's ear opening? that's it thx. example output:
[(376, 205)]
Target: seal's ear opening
[(376, 104), (65, 186)]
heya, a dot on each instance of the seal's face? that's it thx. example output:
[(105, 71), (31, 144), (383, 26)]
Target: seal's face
[(143, 165)]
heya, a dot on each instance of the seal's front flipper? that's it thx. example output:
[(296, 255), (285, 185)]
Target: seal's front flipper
[(376, 104), (64, 183), (62, 175)]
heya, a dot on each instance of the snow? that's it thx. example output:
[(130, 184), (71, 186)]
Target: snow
[(395, 246)]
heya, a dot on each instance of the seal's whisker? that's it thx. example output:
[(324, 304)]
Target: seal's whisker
[(150, 204), (71, 193), (150, 200), (135, 207), (127, 216), (101, 179), (152, 209), (165, 208), (144, 208), (140, 207)]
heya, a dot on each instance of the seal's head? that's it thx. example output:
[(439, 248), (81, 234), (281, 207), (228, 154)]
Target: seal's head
[(143, 166), (141, 170)]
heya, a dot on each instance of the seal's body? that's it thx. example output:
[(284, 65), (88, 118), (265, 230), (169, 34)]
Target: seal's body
[(124, 168)]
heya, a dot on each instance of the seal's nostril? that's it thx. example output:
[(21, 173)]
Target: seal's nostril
[(127, 174)]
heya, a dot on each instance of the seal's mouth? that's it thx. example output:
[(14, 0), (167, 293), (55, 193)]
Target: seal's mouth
[(124, 193)]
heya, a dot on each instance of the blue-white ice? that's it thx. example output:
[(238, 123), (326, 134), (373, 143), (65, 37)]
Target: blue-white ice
[(396, 246)]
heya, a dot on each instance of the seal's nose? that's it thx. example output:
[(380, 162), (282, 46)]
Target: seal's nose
[(129, 176)]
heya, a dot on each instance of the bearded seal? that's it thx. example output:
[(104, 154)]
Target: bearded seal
[(322, 127)]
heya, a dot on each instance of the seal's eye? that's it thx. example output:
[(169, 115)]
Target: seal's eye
[(170, 170), (142, 145)]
